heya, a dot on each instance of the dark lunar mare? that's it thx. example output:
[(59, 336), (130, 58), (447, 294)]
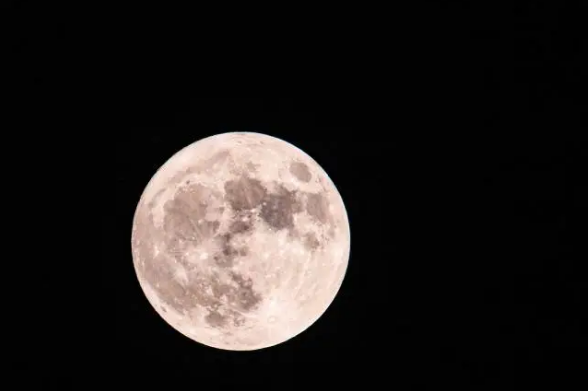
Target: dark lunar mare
[(317, 206), (244, 193), (300, 171), (185, 226), (185, 213), (229, 251), (181, 231), (279, 208)]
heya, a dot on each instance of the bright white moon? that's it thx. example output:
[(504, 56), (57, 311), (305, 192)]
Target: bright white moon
[(240, 241)]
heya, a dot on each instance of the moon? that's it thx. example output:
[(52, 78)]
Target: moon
[(240, 241)]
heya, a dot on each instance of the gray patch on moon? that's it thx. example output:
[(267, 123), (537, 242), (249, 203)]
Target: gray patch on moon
[(241, 224), (228, 253), (243, 297), (215, 319), (300, 171), (203, 290), (244, 193), (184, 228), (238, 319), (278, 208), (185, 212), (317, 206), (310, 241)]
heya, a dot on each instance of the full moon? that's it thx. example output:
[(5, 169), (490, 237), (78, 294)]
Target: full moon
[(240, 241)]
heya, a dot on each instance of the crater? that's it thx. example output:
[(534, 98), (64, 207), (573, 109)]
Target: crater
[(300, 171), (278, 208)]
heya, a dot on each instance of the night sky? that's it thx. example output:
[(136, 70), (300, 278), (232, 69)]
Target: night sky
[(448, 133)]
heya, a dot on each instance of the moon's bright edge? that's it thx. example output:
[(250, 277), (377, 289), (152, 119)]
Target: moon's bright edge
[(240, 241)]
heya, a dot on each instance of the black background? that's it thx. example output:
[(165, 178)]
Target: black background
[(447, 129)]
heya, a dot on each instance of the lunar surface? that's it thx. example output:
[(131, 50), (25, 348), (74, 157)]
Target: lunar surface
[(240, 241)]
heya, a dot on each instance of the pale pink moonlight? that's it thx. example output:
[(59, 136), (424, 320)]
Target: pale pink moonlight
[(240, 241)]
